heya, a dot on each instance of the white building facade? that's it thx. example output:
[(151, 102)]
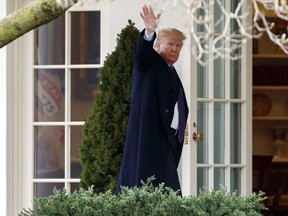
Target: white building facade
[(47, 93)]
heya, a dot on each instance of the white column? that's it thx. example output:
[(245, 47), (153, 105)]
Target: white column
[(3, 120)]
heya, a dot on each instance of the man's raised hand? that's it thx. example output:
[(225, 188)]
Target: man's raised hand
[(150, 20)]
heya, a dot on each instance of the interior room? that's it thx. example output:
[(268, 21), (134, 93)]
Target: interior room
[(270, 122)]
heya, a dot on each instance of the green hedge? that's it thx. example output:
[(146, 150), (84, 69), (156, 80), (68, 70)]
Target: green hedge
[(146, 200)]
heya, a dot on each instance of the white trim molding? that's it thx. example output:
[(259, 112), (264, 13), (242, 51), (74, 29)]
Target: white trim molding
[(3, 121), (19, 97)]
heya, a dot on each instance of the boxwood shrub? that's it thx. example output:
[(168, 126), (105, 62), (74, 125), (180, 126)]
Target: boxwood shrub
[(146, 200)]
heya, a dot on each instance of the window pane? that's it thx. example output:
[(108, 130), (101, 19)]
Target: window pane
[(76, 139), (200, 26), (235, 78), (46, 189), (219, 18), (85, 37), (234, 27), (74, 187), (84, 87), (49, 94), (235, 133), (219, 133), (219, 78), (50, 43), (219, 178), (49, 152), (235, 180), (202, 179), (202, 126), (202, 81)]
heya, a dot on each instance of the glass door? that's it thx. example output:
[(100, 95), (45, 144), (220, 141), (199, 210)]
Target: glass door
[(218, 147)]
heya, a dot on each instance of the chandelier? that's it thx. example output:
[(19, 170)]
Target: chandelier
[(236, 21)]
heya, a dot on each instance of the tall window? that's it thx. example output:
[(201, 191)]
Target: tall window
[(67, 59)]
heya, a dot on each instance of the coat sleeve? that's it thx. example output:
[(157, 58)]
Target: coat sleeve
[(144, 53)]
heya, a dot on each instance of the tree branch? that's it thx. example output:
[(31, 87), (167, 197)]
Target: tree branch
[(31, 16)]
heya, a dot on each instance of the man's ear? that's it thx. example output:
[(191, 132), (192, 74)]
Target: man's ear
[(157, 46)]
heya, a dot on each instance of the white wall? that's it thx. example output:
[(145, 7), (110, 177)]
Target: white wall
[(3, 100)]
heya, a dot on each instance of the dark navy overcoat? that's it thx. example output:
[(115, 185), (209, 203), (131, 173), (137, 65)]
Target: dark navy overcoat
[(154, 94)]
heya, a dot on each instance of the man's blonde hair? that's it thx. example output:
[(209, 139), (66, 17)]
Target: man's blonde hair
[(168, 32)]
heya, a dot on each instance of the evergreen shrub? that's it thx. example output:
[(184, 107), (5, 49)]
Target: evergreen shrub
[(104, 130), (146, 200)]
